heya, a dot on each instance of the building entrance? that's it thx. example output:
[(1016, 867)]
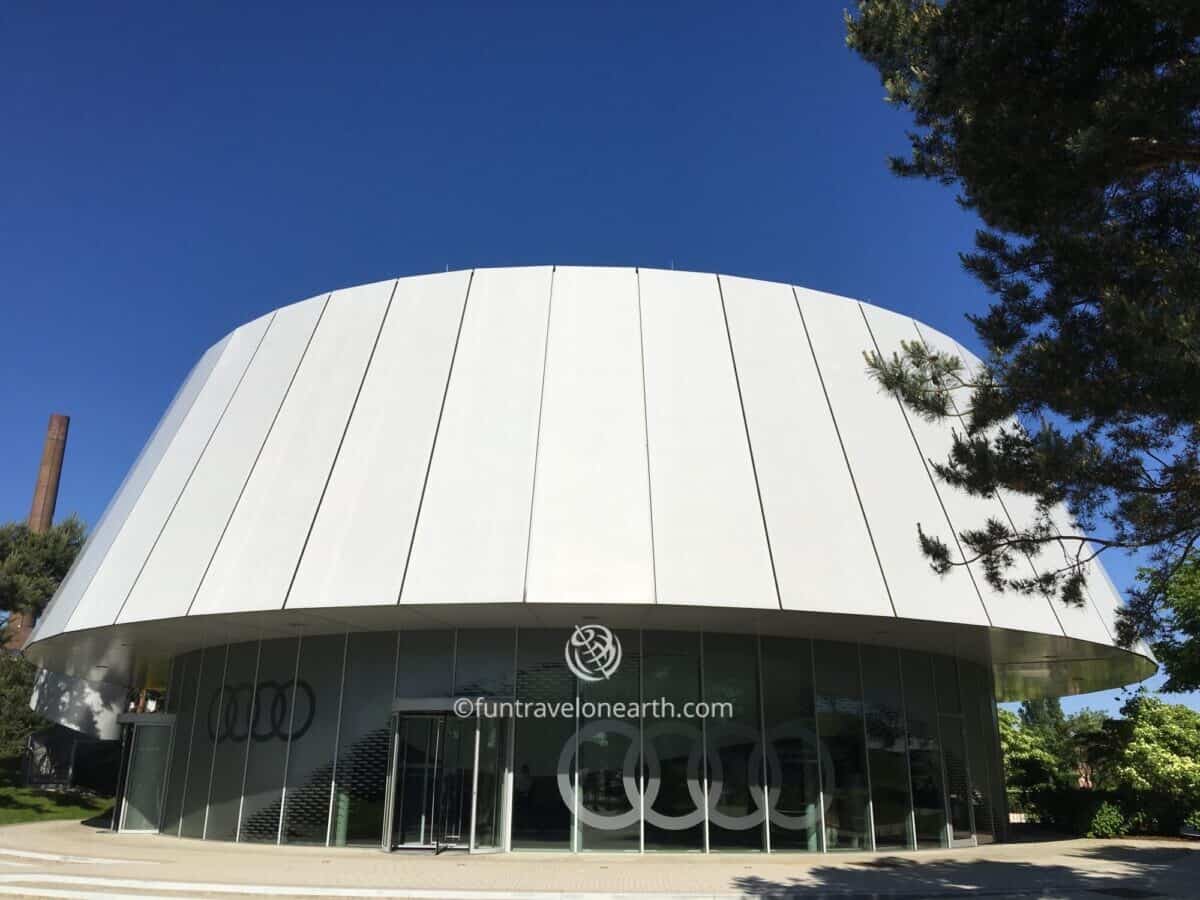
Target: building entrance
[(447, 784)]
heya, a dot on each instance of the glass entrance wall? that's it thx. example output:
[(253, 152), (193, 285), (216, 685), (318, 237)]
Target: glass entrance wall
[(807, 746), (143, 792)]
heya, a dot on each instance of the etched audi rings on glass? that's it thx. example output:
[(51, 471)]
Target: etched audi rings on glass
[(794, 732), (272, 705)]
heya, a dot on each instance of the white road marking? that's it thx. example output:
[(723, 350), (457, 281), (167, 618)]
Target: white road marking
[(60, 857), (26, 883)]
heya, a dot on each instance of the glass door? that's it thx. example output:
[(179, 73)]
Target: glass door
[(448, 783), (141, 800), (490, 822)]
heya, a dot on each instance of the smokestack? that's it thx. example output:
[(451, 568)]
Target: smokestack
[(45, 492), (19, 626)]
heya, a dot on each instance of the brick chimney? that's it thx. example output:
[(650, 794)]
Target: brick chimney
[(41, 513)]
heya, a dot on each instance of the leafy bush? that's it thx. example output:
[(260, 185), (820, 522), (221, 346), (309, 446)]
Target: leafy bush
[(17, 720), (1108, 822)]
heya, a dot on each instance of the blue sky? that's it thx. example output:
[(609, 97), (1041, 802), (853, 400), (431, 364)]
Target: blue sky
[(168, 173)]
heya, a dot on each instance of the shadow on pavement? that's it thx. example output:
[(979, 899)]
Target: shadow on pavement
[(1124, 870)]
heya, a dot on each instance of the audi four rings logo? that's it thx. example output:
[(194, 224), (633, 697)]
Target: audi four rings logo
[(641, 791), (593, 652), (279, 711)]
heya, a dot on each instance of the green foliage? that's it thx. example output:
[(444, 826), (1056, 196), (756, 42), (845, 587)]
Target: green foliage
[(33, 565), (1108, 822), (1064, 770), (1072, 128), (1162, 750), (17, 720), (22, 804), (31, 568), (1178, 646)]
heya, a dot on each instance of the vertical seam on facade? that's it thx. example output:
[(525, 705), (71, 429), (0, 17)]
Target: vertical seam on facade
[(966, 744), (250, 731), (162, 790), (704, 752), (237, 834), (641, 778), (845, 456), (187, 765), (948, 827), (912, 812), (862, 715), (341, 441), (762, 730), (437, 428), (195, 465), (100, 564), (929, 474), (737, 383), (337, 742), (537, 439), (212, 763), (258, 455), (287, 749), (816, 696), (637, 275), (996, 494)]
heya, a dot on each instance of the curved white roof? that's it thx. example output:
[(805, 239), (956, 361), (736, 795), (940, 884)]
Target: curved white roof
[(534, 437)]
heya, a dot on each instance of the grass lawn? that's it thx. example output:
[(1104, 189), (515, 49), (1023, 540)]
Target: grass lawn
[(22, 804)]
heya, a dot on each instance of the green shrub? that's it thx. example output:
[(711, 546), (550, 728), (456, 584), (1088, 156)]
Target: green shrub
[(1108, 822)]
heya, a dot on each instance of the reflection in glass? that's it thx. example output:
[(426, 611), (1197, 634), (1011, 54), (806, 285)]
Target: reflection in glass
[(232, 730), (609, 800), (311, 752), (924, 754), (977, 700), (791, 744), (364, 735), (208, 713), (419, 740), (183, 706), (887, 749), (673, 745), (489, 794), (425, 666), (483, 663), (735, 757), (144, 781), (843, 750), (456, 772), (541, 816), (954, 750), (267, 751)]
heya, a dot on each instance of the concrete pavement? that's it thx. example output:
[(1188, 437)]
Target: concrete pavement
[(70, 860)]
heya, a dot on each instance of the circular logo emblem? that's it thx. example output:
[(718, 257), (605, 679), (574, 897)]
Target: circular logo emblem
[(593, 652)]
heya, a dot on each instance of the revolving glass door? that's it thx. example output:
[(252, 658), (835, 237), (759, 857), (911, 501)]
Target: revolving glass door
[(443, 794)]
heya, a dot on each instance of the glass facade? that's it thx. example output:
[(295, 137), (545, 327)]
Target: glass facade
[(350, 739)]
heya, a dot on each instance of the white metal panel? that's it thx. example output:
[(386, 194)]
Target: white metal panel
[(145, 521), (590, 534), (472, 530), (895, 488), (172, 574), (1085, 621), (364, 527), (1020, 509), (822, 548), (710, 546), (258, 554), (95, 549), (1006, 609)]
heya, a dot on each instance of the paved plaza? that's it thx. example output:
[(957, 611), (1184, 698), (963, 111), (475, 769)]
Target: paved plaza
[(70, 860)]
